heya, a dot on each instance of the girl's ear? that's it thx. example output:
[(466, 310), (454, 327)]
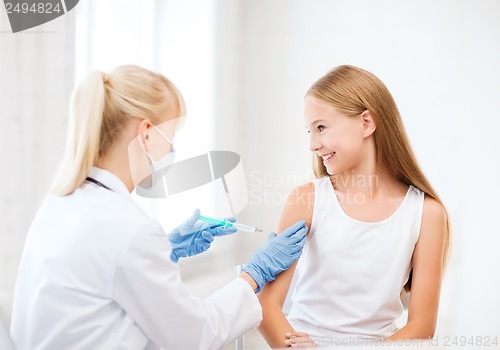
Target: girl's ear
[(369, 125)]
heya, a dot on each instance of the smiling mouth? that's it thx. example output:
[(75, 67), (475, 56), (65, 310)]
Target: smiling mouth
[(327, 157)]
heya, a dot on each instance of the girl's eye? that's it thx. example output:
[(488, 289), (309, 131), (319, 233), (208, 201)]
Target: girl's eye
[(321, 128)]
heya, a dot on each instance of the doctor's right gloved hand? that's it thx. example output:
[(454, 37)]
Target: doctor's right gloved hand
[(277, 255), (194, 237)]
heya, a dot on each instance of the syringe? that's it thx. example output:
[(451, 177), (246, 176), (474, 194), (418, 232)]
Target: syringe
[(227, 223)]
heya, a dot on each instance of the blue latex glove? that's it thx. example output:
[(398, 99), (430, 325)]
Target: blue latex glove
[(277, 255), (194, 237)]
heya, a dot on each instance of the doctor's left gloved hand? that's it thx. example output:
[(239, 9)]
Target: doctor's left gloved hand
[(194, 237)]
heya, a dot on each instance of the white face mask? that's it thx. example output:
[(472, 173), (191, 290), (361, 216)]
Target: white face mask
[(158, 168)]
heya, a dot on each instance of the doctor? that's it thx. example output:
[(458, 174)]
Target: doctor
[(96, 271)]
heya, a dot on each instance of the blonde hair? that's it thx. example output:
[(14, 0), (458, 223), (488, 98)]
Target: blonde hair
[(351, 91), (100, 108)]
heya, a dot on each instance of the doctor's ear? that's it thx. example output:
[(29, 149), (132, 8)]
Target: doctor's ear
[(368, 123), (143, 131)]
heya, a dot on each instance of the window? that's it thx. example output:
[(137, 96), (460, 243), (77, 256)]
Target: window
[(174, 38)]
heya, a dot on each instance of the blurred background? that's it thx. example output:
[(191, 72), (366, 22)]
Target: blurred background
[(243, 67)]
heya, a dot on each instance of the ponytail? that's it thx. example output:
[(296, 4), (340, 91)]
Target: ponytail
[(101, 107), (83, 137)]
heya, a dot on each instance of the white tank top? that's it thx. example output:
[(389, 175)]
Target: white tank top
[(349, 278)]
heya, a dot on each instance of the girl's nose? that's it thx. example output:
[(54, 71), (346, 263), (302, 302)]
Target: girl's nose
[(314, 145)]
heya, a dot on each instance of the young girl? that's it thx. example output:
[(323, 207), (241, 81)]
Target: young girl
[(377, 225)]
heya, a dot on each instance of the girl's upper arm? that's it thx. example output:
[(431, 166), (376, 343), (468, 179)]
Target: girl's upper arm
[(428, 268), (298, 206)]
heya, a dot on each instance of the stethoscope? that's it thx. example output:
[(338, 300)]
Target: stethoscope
[(100, 184)]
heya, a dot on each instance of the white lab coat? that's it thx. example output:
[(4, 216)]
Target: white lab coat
[(96, 274)]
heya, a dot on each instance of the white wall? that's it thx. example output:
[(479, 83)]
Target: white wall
[(36, 78), (440, 59)]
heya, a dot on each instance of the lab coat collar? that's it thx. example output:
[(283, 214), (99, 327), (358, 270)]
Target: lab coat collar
[(109, 179)]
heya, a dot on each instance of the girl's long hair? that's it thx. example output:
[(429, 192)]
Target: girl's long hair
[(100, 108), (351, 91)]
